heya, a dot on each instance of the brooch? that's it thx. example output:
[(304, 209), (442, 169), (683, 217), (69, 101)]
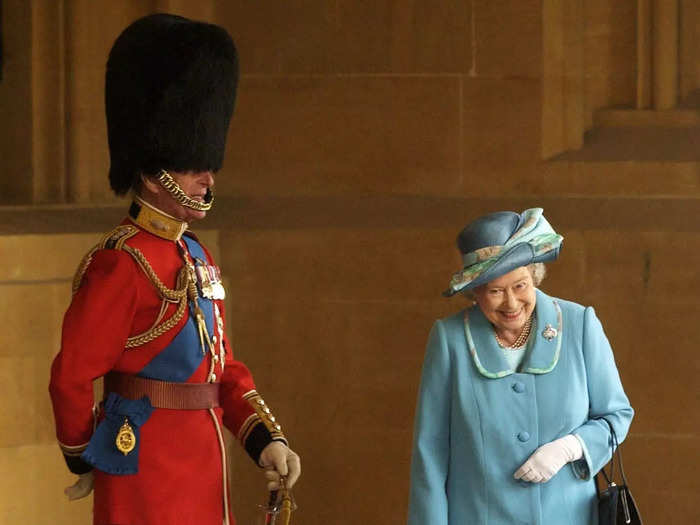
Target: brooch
[(126, 439), (549, 332)]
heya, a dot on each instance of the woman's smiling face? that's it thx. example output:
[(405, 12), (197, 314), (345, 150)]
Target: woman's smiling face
[(508, 301)]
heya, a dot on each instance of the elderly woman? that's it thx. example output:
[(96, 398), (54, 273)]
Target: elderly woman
[(512, 391)]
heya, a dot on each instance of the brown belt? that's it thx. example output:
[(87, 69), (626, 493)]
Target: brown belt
[(163, 394)]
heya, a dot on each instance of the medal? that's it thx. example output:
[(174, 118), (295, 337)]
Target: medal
[(126, 439), (209, 280)]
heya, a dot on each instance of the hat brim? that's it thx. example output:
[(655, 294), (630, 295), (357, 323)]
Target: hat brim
[(519, 255)]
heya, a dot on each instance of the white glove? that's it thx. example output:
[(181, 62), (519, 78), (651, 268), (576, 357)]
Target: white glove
[(82, 487), (546, 461), (279, 460)]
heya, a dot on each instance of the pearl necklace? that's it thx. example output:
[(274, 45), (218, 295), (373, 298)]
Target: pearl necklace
[(522, 338)]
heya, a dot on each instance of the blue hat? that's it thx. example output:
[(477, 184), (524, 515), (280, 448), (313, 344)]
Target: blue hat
[(500, 242)]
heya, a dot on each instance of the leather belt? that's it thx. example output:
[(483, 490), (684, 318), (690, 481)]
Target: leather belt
[(164, 394)]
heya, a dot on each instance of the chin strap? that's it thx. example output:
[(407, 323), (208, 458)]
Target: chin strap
[(181, 197)]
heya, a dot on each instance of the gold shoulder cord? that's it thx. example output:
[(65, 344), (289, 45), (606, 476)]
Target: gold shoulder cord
[(115, 240), (82, 268)]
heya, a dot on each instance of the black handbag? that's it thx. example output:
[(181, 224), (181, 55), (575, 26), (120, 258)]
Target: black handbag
[(616, 506)]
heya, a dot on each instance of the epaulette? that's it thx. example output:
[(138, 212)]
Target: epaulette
[(114, 240)]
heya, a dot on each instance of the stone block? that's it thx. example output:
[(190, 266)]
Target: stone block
[(31, 491), (42, 257), (610, 53), (673, 454), (617, 265), (34, 314), (653, 351), (339, 265), (26, 416), (380, 504), (350, 37), (335, 135), (589, 174), (508, 38), (390, 36), (339, 375), (566, 277), (643, 266), (274, 38), (20, 386), (674, 259), (501, 143)]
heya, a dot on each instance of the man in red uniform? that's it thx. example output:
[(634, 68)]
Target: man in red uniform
[(147, 312)]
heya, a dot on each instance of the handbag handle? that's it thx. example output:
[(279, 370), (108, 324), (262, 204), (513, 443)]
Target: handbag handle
[(615, 451)]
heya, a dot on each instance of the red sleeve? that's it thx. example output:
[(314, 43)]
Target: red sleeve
[(245, 413), (95, 328)]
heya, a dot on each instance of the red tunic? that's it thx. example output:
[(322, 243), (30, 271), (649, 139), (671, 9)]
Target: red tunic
[(181, 477)]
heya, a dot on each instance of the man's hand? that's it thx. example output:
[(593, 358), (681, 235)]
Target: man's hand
[(279, 460), (549, 458), (81, 488)]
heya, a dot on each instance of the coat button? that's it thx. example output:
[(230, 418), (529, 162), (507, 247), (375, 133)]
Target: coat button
[(523, 436), (518, 387)]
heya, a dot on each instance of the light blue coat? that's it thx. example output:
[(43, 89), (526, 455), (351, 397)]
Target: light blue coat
[(477, 420)]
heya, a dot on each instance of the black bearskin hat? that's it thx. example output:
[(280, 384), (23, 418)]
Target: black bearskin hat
[(170, 88)]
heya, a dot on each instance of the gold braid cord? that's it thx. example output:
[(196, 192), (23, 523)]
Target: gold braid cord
[(115, 240), (178, 295), (82, 268)]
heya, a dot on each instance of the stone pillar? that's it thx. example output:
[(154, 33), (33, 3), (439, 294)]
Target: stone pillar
[(48, 102), (563, 120), (15, 111), (665, 54), (644, 52)]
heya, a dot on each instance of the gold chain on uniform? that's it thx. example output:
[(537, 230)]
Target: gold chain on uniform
[(178, 295)]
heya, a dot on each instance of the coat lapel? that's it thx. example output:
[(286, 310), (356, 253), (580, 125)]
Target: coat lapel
[(544, 344), (484, 349), (543, 355)]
